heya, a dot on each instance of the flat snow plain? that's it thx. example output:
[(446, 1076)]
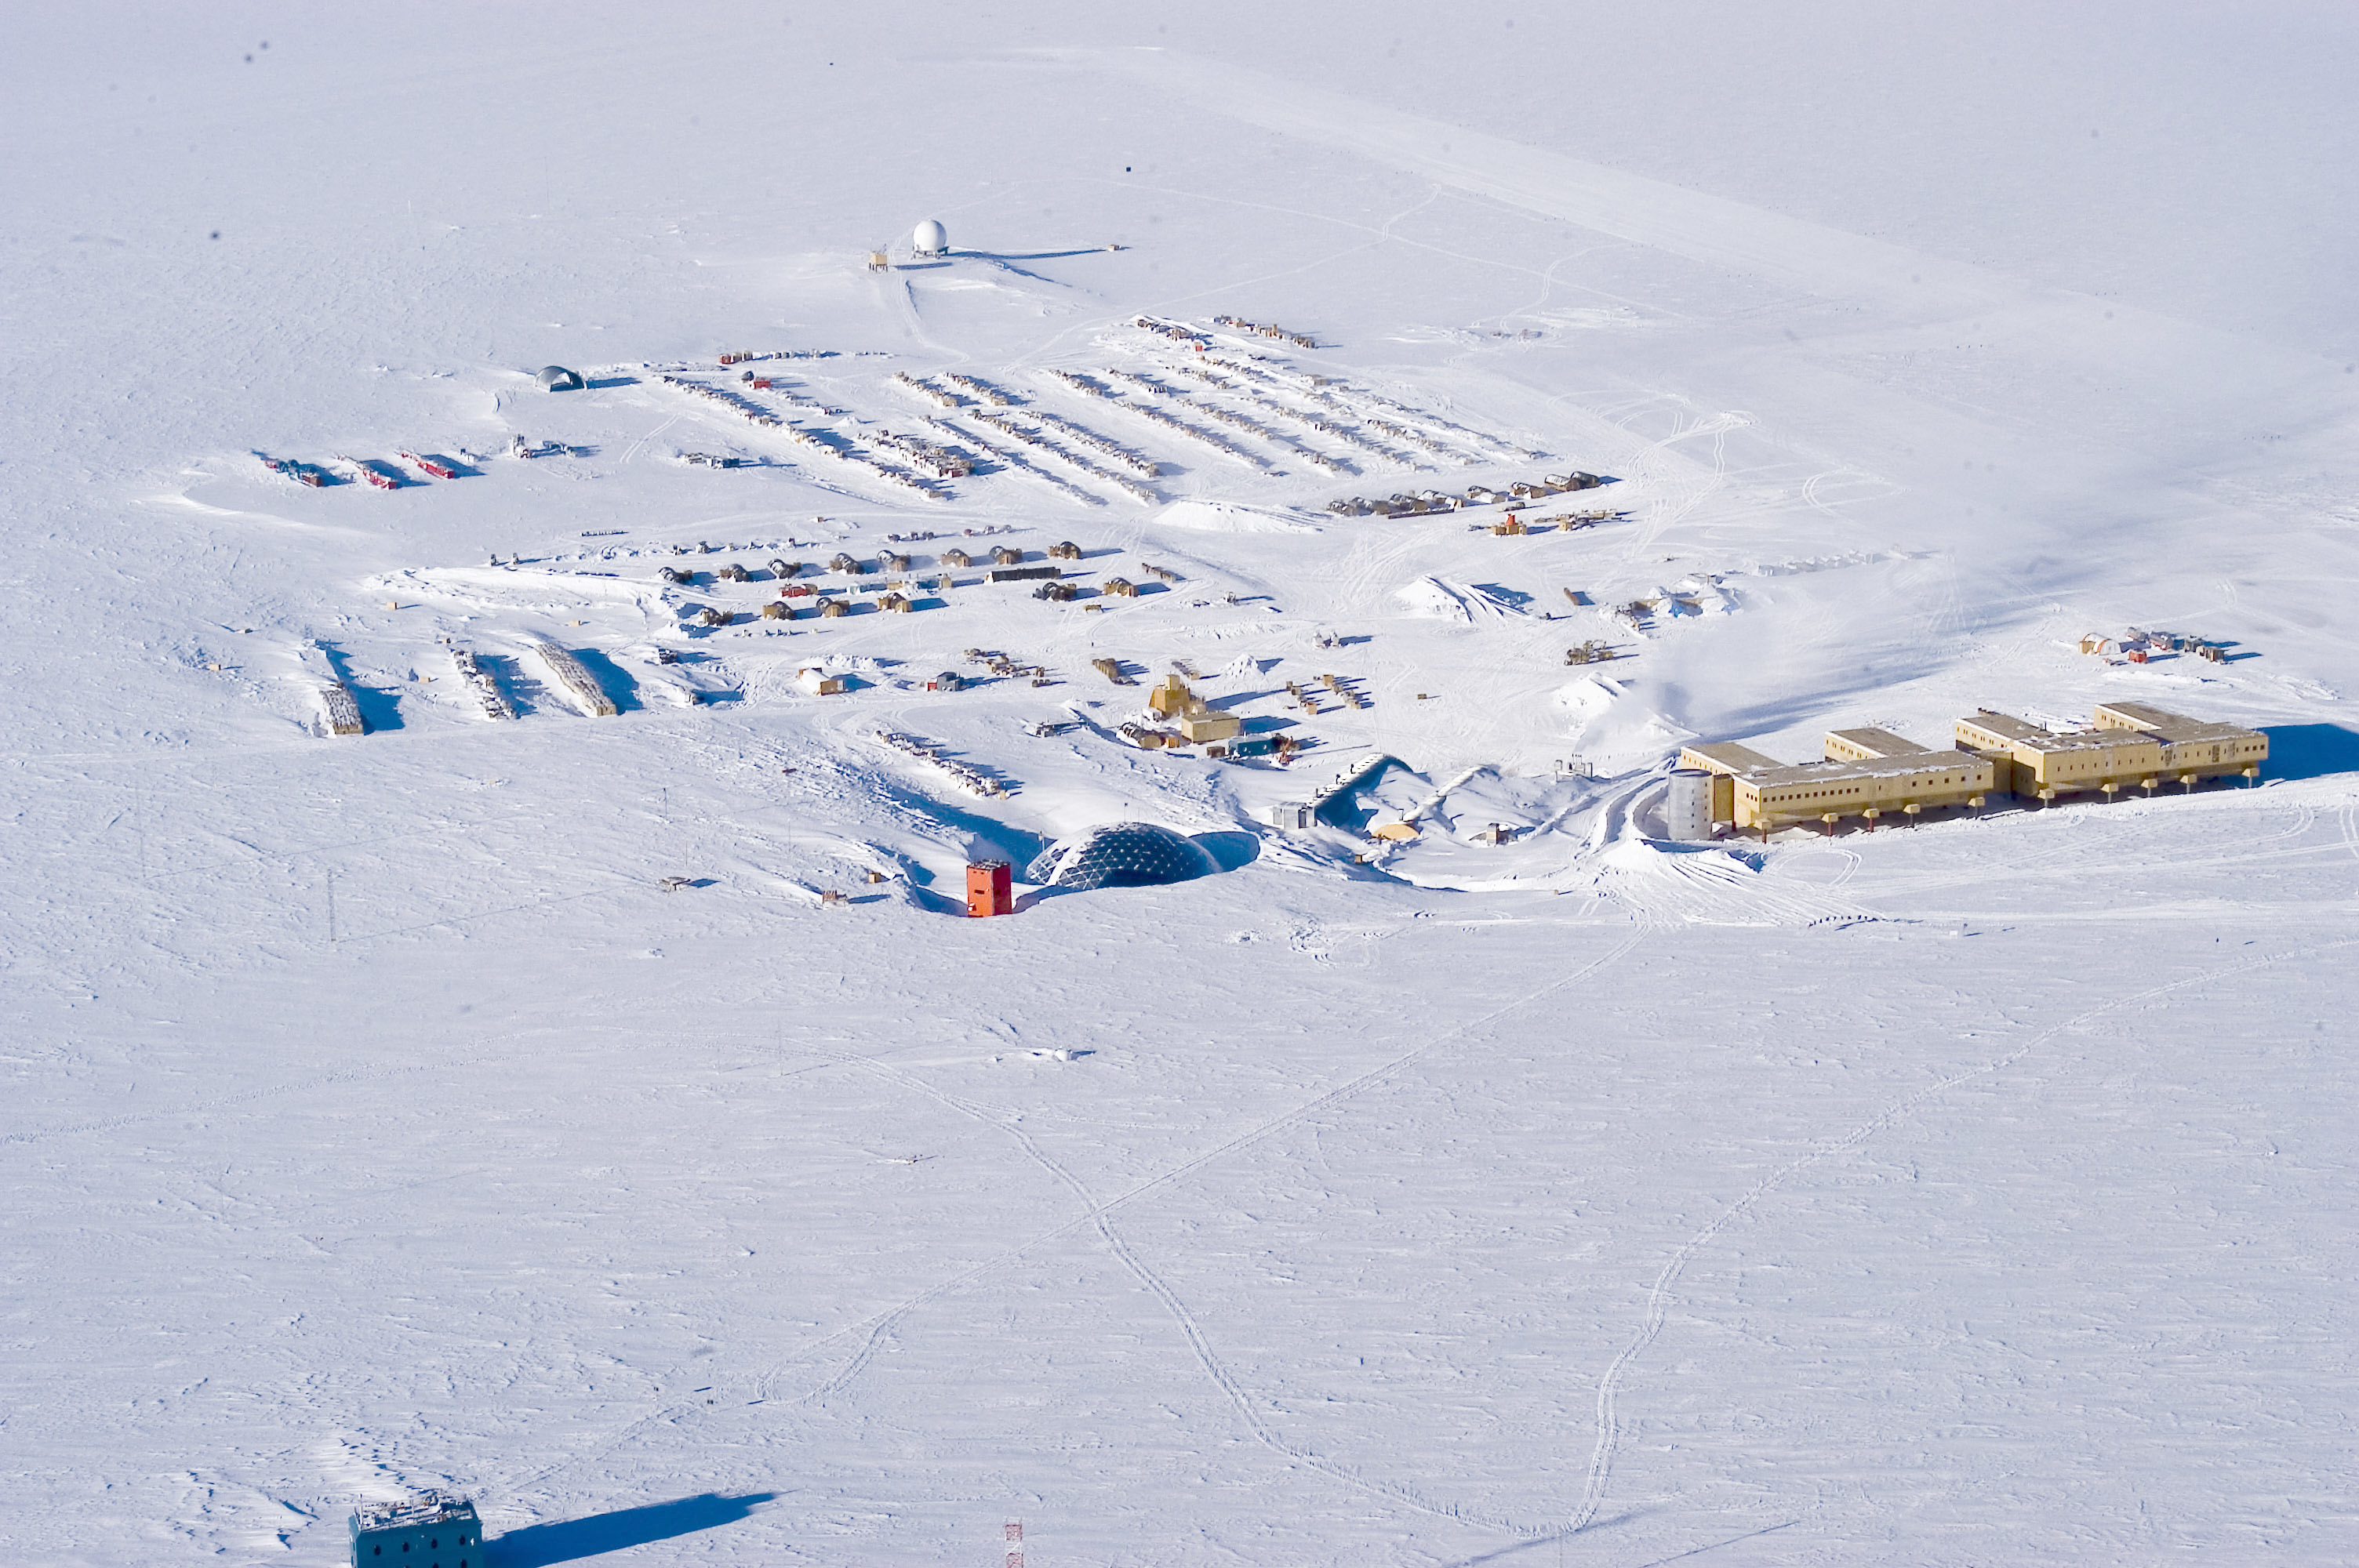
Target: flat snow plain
[(1974, 1193)]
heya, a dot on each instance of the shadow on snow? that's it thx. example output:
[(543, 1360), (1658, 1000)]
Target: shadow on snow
[(570, 1541)]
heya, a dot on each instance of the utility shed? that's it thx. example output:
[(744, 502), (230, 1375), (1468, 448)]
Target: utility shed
[(1211, 725), (431, 1530)]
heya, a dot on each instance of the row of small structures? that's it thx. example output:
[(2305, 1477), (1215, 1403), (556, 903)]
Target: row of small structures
[(1431, 501), (847, 564), (892, 591), (2138, 647), (1267, 329)]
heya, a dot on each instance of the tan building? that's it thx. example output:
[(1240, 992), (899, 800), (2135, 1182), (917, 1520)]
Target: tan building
[(1874, 774), (1868, 774), (1199, 723), (1211, 726), (2129, 746)]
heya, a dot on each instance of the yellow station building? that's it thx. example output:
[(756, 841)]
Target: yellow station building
[(1867, 774), (2130, 746), (1874, 774)]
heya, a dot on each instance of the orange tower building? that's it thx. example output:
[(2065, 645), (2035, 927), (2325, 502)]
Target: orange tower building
[(990, 889)]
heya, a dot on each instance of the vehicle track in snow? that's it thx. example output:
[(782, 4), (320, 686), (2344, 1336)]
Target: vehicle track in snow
[(1676, 489), (1190, 1330), (1608, 1423), (871, 1329)]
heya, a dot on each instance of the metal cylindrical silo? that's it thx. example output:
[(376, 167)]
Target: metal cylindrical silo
[(1687, 808)]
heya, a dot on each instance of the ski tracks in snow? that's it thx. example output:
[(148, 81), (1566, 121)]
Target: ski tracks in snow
[(1601, 1462), (1678, 488), (1190, 1329), (1097, 1216)]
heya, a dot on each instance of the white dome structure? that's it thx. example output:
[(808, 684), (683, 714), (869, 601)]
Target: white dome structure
[(1121, 855), (931, 239)]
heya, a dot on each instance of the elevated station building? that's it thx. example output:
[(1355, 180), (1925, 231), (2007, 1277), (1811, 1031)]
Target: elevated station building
[(1871, 773), (1867, 773), (2129, 746)]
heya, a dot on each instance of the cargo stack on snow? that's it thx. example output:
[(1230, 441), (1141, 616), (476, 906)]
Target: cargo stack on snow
[(580, 688), (479, 681), (339, 714)]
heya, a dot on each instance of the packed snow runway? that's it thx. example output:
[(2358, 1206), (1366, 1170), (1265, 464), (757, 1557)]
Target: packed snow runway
[(488, 1007)]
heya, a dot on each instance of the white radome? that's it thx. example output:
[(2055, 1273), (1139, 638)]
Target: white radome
[(931, 239)]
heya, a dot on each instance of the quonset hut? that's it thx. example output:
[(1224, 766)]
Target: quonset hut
[(431, 1530), (557, 378)]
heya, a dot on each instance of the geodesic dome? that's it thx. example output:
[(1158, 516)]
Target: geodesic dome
[(1121, 855)]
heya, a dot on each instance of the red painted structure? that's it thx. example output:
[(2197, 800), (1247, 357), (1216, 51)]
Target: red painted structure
[(990, 889)]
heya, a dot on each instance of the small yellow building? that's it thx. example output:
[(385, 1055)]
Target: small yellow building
[(1211, 725), (1170, 698)]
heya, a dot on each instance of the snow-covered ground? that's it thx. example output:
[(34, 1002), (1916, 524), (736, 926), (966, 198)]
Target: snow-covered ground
[(378, 1119)]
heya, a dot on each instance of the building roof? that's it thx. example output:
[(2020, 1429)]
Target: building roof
[(425, 1508), (1876, 742), (1925, 759), (2174, 728), (2006, 725), (1728, 757), (2093, 740)]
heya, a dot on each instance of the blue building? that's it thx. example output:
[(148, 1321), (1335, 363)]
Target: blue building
[(431, 1530)]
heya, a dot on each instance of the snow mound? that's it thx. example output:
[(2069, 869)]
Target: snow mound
[(1589, 698), (1694, 595), (1216, 518), (1438, 599)]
